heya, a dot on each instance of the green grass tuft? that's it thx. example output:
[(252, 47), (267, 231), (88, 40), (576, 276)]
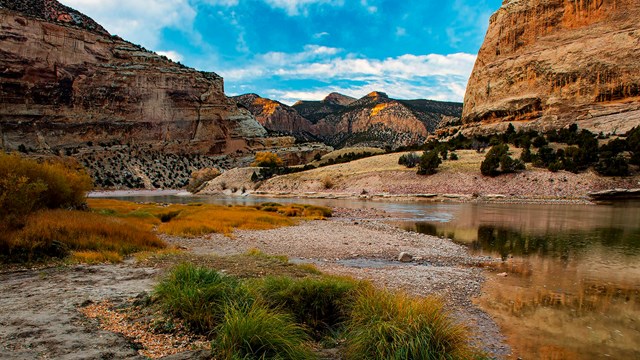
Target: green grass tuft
[(386, 325), (199, 295), (321, 303), (257, 332)]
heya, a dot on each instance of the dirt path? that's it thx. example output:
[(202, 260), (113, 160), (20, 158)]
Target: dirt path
[(39, 316)]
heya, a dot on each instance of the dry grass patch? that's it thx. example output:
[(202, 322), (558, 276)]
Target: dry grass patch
[(200, 219), (94, 237)]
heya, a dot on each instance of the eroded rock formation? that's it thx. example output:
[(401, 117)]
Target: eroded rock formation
[(341, 121), (64, 81), (549, 63), (277, 117)]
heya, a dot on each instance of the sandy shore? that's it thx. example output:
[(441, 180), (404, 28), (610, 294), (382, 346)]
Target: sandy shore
[(39, 315)]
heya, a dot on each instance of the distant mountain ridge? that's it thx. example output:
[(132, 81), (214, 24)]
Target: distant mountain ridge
[(340, 120)]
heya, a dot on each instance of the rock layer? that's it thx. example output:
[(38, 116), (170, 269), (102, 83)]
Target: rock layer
[(64, 82), (338, 120), (554, 62), (277, 117)]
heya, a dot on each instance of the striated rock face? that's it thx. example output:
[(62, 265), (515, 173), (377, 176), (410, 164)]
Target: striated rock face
[(341, 121), (379, 121), (65, 82), (277, 117), (553, 62)]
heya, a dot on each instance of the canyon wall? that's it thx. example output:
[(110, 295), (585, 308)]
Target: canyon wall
[(66, 83), (549, 63)]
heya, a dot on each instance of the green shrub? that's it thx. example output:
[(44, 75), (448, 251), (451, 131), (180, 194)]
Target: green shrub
[(429, 163), (385, 325), (256, 332), (498, 161), (409, 160), (611, 164), (319, 303), (199, 296)]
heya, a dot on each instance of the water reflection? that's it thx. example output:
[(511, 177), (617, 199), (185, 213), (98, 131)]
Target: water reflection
[(573, 284), (572, 289)]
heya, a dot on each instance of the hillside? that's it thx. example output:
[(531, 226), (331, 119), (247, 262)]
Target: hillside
[(340, 121), (381, 177), (131, 116)]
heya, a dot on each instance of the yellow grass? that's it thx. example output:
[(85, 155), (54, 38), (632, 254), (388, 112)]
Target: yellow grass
[(96, 257), (201, 219), (55, 233)]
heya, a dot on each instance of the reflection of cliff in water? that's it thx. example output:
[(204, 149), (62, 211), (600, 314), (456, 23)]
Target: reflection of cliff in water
[(506, 241)]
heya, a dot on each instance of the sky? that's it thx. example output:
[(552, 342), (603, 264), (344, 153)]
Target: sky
[(291, 50)]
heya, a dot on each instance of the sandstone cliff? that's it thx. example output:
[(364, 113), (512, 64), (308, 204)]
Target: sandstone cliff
[(132, 117), (548, 63), (379, 121), (340, 121), (277, 117), (65, 81)]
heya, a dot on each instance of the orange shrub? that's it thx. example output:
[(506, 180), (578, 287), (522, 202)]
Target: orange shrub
[(267, 159), (56, 233), (199, 177), (27, 185)]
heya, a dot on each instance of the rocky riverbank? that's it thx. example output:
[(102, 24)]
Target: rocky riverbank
[(39, 312)]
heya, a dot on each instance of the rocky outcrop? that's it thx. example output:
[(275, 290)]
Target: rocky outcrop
[(379, 121), (277, 117), (374, 120), (64, 81), (132, 117), (548, 63)]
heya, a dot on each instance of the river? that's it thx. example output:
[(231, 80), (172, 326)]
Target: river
[(572, 284)]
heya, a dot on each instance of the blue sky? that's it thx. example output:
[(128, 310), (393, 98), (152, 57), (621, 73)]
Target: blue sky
[(292, 50)]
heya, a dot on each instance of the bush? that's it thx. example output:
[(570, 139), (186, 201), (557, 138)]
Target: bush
[(410, 160), (199, 296), (633, 144), (498, 161), (200, 177), (384, 325), (429, 163), (267, 159), (319, 303), (27, 185), (453, 156), (612, 164), (257, 332)]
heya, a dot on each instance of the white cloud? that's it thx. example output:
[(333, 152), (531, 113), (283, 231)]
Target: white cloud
[(173, 55), (400, 31), (138, 21), (432, 76), (300, 7), (320, 35)]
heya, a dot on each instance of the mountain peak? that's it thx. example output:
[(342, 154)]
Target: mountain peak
[(54, 12), (378, 94), (338, 99)]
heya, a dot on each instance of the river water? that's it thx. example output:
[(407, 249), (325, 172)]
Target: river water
[(572, 284)]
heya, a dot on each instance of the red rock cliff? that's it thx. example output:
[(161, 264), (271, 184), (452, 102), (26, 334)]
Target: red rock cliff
[(553, 62), (65, 82)]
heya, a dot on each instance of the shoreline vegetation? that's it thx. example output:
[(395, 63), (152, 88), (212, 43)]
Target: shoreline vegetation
[(298, 312)]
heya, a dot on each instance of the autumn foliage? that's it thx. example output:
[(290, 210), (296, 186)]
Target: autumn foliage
[(267, 159)]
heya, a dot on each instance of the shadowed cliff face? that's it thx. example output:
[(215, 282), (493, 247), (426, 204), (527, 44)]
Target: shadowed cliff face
[(553, 62), (64, 82)]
